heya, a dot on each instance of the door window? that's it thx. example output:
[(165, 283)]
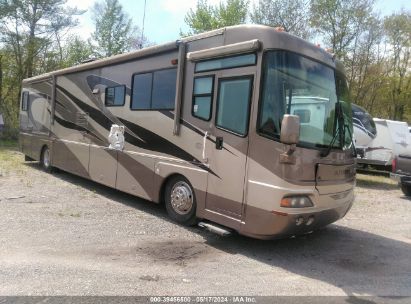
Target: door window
[(233, 105), (203, 97)]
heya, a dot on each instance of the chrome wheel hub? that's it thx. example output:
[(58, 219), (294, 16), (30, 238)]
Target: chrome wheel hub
[(182, 198), (46, 158)]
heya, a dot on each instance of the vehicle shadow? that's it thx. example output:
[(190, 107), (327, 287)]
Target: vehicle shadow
[(356, 261), (379, 183), (108, 192)]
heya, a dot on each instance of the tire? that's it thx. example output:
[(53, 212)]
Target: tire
[(406, 189), (180, 201), (45, 160)]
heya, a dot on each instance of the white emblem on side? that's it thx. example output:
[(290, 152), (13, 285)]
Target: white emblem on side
[(116, 137)]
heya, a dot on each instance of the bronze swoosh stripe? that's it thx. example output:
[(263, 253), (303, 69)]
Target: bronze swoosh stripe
[(70, 125), (150, 141), (132, 166), (154, 142), (169, 114), (93, 80)]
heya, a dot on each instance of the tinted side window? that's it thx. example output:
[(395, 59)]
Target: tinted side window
[(142, 84), (233, 106), (164, 89), (25, 101), (115, 96), (202, 97)]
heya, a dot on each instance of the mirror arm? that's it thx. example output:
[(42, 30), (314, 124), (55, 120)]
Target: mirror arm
[(287, 157)]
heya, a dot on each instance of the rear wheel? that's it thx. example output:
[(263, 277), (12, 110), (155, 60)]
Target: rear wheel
[(406, 189), (45, 160), (180, 201)]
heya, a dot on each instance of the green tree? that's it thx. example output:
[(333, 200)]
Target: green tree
[(114, 29), (76, 50), (398, 32), (292, 15), (31, 25), (29, 35), (364, 64), (206, 17), (340, 21)]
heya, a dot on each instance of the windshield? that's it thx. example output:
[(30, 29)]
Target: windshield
[(293, 84)]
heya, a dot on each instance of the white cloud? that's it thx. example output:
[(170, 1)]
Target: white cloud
[(80, 4), (182, 6)]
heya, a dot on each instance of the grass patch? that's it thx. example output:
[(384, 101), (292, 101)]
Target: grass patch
[(10, 159), (378, 182), (7, 143)]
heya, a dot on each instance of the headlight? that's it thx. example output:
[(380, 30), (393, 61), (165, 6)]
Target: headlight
[(296, 202)]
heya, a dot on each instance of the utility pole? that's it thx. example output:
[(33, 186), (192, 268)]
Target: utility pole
[(142, 29)]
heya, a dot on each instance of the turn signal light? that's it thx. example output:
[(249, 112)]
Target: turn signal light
[(296, 202)]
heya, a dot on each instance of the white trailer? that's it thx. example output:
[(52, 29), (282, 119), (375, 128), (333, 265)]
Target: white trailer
[(392, 139)]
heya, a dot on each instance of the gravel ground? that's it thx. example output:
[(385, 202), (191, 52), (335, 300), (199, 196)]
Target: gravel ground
[(64, 235)]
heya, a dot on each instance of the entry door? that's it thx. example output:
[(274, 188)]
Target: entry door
[(227, 155)]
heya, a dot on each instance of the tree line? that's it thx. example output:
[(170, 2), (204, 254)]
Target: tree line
[(36, 36), (374, 49)]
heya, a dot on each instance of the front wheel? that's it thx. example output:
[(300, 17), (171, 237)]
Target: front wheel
[(180, 201), (45, 160), (406, 189)]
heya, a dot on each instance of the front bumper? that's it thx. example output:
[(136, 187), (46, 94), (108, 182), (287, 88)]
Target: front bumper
[(274, 225), (401, 178)]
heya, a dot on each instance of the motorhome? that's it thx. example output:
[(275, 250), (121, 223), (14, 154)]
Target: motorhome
[(364, 128), (212, 125), (391, 140)]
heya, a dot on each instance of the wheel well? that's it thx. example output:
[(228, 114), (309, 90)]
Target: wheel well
[(42, 150), (164, 184)]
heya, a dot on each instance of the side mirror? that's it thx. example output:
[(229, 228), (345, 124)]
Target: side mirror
[(290, 129)]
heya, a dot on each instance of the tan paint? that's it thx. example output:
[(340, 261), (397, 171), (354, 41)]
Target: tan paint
[(135, 174), (103, 165), (71, 156)]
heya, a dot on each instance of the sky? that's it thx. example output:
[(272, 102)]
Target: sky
[(164, 19)]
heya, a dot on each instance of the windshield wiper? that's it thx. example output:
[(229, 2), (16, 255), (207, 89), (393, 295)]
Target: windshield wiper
[(324, 154), (354, 154), (340, 119)]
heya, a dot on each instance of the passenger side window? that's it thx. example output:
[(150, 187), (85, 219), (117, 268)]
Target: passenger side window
[(202, 97), (115, 96), (154, 91), (141, 99), (25, 101), (233, 105), (164, 89)]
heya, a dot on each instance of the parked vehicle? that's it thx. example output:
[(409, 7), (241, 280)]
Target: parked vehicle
[(210, 125), (401, 172), (364, 129), (392, 139)]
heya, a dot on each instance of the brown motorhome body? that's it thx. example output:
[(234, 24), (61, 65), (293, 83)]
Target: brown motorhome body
[(240, 184)]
